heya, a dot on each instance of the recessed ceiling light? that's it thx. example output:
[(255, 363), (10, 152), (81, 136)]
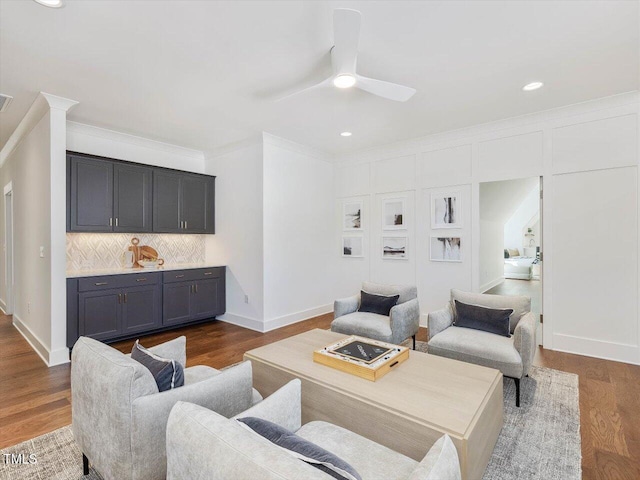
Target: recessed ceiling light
[(532, 86), (346, 134), (344, 81), (51, 3)]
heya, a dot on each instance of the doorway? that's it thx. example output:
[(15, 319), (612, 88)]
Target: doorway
[(511, 240), (8, 247)]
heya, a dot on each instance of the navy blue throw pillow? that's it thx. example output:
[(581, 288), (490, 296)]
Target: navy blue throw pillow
[(167, 373), (482, 318), (379, 304), (305, 450)]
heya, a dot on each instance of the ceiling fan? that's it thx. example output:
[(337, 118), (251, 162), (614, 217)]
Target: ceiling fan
[(344, 55)]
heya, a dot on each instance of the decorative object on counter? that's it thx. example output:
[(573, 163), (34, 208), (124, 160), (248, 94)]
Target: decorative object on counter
[(144, 256), (128, 259), (95, 251)]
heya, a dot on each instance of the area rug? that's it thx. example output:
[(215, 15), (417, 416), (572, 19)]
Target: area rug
[(540, 440)]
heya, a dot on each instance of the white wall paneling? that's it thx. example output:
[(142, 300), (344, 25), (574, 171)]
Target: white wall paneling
[(597, 144), (352, 271), (601, 134), (595, 243), (445, 167), (435, 279), (350, 180), (393, 271), (516, 156), (394, 174)]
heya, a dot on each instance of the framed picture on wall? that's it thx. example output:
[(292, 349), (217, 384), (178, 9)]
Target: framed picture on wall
[(395, 248), (393, 214), (352, 216), (446, 210), (446, 249), (352, 246)]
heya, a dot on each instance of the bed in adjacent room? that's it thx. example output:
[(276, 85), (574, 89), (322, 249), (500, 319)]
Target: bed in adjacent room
[(517, 266)]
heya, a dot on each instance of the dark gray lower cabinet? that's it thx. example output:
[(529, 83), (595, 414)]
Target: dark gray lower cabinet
[(176, 304), (119, 306), (100, 314), (141, 308), (206, 297)]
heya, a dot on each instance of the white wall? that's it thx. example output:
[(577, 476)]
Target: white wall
[(517, 225), (273, 217), (108, 143), (238, 242), (34, 164), (298, 240), (599, 137), (491, 254)]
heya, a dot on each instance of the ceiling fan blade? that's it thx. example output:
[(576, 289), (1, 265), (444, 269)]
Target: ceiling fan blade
[(325, 83), (346, 33), (389, 90)]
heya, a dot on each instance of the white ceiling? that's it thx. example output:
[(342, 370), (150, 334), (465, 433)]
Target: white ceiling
[(205, 74)]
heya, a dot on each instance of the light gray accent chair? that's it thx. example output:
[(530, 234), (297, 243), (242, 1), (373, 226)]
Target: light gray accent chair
[(203, 445), (119, 418), (512, 356), (402, 323)]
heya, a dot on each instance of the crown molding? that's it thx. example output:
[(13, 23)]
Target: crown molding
[(465, 135), (40, 106), (112, 135), (270, 139)]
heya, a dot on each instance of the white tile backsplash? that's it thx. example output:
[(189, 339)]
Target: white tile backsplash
[(105, 250)]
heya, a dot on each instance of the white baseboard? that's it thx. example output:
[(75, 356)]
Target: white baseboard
[(285, 320), (3, 306), (618, 352), (491, 284), (50, 358), (241, 321), (424, 320)]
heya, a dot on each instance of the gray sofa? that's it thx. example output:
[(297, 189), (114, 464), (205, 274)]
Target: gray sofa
[(512, 356), (402, 323), (119, 418), (202, 444)]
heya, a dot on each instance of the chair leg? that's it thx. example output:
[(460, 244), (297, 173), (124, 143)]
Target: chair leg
[(517, 392), (85, 465), (414, 342)]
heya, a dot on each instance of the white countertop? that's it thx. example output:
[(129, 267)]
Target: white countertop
[(122, 270)]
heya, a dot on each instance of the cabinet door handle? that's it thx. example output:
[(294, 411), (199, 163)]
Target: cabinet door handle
[(196, 287), (116, 221), (125, 298), (186, 225), (141, 279), (99, 284), (208, 273), (119, 298), (111, 221), (179, 276)]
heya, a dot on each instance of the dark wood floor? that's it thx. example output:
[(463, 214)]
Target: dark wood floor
[(36, 399)]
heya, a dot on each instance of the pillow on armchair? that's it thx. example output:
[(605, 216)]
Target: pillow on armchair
[(380, 304), (490, 320)]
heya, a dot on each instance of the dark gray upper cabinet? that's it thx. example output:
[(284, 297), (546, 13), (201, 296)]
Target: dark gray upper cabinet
[(132, 198), (105, 195), (183, 203), (91, 195), (167, 202)]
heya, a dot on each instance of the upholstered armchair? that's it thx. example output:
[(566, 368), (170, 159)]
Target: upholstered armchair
[(512, 356), (204, 445), (403, 320), (119, 417)]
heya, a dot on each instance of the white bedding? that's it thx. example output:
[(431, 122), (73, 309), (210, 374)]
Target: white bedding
[(518, 267)]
